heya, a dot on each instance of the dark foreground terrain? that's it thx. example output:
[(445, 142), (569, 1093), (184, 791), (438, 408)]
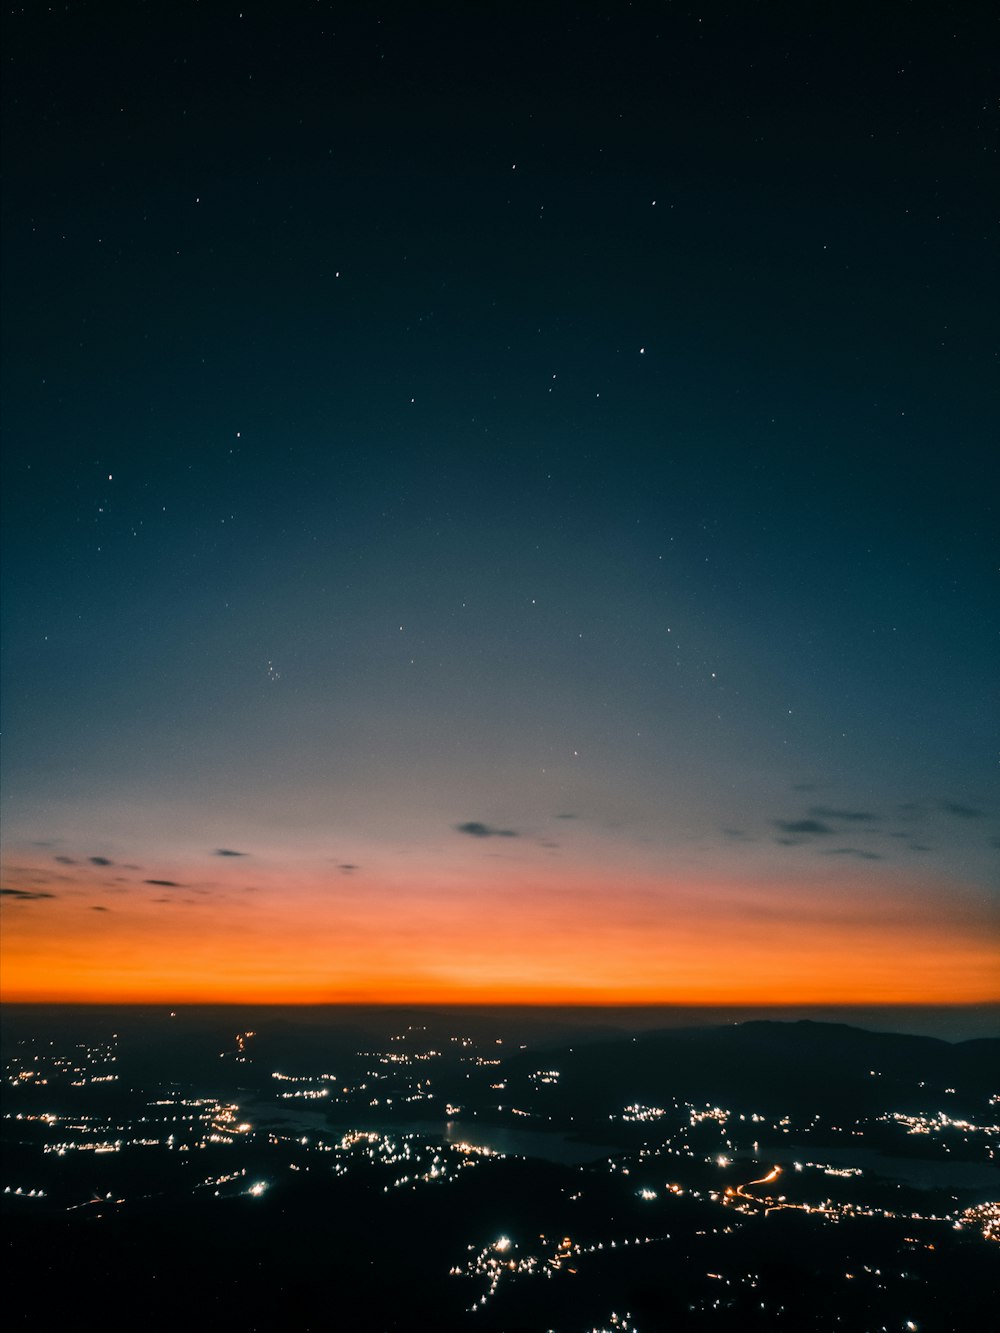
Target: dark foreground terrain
[(494, 1171)]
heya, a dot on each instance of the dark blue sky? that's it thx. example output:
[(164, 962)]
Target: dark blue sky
[(483, 415)]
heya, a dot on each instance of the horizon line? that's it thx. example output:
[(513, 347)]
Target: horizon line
[(485, 1004)]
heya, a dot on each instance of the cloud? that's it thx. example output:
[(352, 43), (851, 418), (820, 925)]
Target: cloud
[(962, 811), (100, 909), (477, 830), (25, 895), (851, 851), (228, 851), (566, 816), (920, 847), (64, 860), (347, 867), (737, 834), (802, 826), (100, 861), (164, 883), (823, 812)]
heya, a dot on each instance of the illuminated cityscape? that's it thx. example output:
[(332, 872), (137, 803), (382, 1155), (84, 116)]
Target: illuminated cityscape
[(500, 1191)]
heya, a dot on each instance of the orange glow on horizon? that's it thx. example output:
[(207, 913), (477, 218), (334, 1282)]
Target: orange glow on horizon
[(551, 941)]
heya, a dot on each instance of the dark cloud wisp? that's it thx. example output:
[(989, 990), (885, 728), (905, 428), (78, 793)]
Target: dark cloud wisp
[(962, 811), (856, 816), (800, 826), (852, 851), (475, 829)]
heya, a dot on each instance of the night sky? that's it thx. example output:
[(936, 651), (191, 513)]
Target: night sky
[(500, 503)]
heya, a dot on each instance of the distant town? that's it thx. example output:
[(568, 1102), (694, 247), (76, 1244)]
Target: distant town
[(484, 1177)]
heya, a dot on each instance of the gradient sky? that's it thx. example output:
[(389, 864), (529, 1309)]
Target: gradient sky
[(499, 504)]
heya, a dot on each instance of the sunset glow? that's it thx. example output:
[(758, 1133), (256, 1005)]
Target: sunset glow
[(522, 937)]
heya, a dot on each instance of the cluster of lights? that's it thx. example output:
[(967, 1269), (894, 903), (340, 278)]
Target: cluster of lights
[(305, 1078), (424, 1161), (401, 1058), (242, 1040), (223, 1179), (618, 1323), (639, 1113), (931, 1124), (501, 1259), (89, 1063), (711, 1113), (985, 1216), (102, 1145)]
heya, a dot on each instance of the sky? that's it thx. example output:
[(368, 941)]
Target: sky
[(499, 504)]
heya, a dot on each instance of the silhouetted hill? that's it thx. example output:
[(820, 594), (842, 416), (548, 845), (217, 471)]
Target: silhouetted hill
[(801, 1066)]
